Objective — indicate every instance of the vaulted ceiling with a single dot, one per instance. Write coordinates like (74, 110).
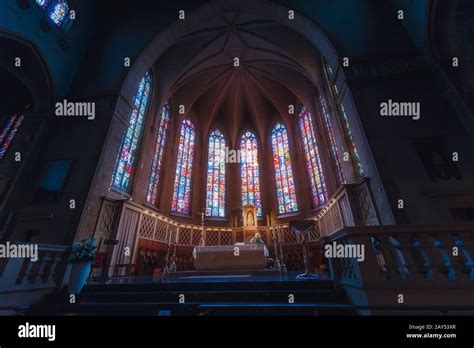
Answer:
(277, 67)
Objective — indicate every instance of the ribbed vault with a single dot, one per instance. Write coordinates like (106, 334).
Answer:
(277, 67)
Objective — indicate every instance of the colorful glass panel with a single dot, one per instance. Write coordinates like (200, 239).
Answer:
(131, 138)
(355, 153)
(215, 188)
(8, 133)
(43, 3)
(285, 186)
(332, 138)
(59, 12)
(249, 172)
(313, 161)
(182, 184)
(162, 132)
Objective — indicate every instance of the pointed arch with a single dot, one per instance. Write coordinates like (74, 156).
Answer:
(155, 172)
(332, 138)
(8, 133)
(184, 169)
(126, 159)
(355, 153)
(215, 187)
(283, 171)
(249, 171)
(314, 168)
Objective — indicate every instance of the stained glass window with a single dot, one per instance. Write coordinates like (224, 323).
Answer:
(332, 138)
(215, 188)
(153, 181)
(43, 3)
(249, 172)
(59, 12)
(131, 138)
(313, 160)
(8, 133)
(355, 153)
(285, 186)
(184, 166)
(329, 71)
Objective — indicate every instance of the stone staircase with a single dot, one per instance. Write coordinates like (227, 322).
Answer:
(202, 298)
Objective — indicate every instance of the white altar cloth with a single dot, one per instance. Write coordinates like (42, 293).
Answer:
(241, 246)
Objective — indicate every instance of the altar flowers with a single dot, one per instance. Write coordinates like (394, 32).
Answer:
(257, 239)
(82, 256)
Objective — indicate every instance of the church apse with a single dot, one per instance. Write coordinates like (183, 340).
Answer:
(271, 147)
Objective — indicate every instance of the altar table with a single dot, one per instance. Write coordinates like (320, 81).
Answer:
(227, 257)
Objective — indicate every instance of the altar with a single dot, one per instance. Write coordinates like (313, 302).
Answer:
(230, 257)
(250, 255)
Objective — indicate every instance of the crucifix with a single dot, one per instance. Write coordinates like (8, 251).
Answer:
(202, 227)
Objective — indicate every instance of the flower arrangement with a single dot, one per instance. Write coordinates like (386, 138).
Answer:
(83, 251)
(257, 239)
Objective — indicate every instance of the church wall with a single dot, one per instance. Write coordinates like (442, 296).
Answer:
(362, 33)
(415, 19)
(101, 74)
(61, 50)
(123, 32)
(104, 71)
(392, 141)
(55, 221)
(130, 31)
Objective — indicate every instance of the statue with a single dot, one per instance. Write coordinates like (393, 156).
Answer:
(250, 220)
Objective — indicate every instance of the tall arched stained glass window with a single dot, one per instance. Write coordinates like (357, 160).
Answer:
(184, 166)
(59, 12)
(162, 132)
(131, 138)
(285, 185)
(332, 138)
(249, 171)
(312, 158)
(355, 154)
(8, 133)
(215, 188)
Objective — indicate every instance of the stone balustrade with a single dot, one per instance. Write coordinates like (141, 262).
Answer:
(405, 264)
(23, 281)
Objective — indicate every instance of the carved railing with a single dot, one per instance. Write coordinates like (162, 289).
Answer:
(352, 205)
(22, 274)
(412, 255)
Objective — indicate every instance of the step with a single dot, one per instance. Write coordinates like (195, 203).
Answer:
(212, 296)
(217, 286)
(243, 308)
